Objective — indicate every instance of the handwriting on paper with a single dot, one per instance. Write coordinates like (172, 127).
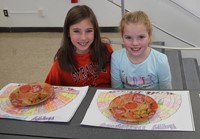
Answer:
(124, 126)
(140, 127)
(42, 118)
(163, 126)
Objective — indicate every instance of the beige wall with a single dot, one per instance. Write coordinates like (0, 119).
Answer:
(182, 25)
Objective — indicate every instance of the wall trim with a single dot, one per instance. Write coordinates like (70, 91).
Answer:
(48, 29)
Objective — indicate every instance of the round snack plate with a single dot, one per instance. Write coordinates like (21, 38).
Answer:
(133, 107)
(31, 94)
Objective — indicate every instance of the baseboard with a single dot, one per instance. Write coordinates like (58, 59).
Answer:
(48, 29)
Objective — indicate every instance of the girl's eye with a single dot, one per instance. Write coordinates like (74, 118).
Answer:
(89, 30)
(128, 37)
(76, 31)
(142, 37)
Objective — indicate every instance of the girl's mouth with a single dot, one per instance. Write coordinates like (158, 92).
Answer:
(135, 49)
(83, 43)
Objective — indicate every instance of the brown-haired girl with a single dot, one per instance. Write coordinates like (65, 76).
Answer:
(83, 59)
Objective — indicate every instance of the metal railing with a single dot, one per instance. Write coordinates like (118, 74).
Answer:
(122, 6)
(186, 9)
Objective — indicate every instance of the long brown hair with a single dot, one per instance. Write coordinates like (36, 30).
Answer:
(98, 50)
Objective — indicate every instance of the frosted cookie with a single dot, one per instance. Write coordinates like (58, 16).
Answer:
(133, 107)
(31, 94)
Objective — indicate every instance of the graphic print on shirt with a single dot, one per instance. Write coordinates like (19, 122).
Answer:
(139, 81)
(86, 74)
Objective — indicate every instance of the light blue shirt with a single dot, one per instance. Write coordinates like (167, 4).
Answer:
(153, 73)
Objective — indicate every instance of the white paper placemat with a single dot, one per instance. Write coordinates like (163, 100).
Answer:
(174, 111)
(59, 109)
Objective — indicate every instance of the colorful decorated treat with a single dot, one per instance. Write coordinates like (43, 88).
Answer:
(133, 107)
(31, 94)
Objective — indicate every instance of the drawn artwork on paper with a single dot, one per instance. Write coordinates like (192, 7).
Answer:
(60, 108)
(168, 104)
(112, 109)
(62, 97)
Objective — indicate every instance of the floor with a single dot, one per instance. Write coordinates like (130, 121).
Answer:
(27, 57)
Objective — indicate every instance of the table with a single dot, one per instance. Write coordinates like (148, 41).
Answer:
(14, 129)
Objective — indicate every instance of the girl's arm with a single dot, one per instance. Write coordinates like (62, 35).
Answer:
(116, 81)
(54, 77)
(164, 74)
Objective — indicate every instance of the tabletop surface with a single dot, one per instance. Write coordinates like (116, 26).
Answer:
(27, 130)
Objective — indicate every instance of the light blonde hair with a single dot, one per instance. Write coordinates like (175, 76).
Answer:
(136, 17)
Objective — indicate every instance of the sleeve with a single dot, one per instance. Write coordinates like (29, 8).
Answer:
(54, 77)
(110, 50)
(116, 81)
(164, 73)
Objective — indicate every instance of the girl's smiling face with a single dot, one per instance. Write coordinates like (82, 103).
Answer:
(136, 41)
(82, 36)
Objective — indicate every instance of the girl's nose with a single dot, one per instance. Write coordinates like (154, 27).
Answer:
(83, 36)
(135, 42)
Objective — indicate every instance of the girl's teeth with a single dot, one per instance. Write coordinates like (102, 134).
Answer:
(135, 49)
(82, 43)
